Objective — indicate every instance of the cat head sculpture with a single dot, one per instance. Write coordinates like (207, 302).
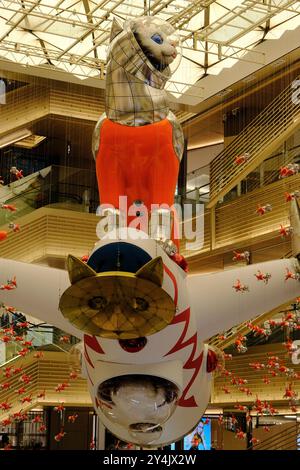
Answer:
(145, 46)
(117, 304)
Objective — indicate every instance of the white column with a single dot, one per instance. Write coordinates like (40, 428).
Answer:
(100, 436)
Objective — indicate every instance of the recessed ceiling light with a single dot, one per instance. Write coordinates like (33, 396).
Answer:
(278, 62)
(249, 79)
(225, 92)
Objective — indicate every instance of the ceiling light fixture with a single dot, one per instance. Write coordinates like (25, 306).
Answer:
(225, 92)
(250, 79)
(278, 63)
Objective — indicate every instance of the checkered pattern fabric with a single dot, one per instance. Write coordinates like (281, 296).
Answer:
(134, 90)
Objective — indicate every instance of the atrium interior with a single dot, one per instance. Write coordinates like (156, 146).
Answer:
(234, 90)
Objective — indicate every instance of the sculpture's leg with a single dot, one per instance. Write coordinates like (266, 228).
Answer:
(110, 177)
(163, 176)
(165, 166)
(295, 224)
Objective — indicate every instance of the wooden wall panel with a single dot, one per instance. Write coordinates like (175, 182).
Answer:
(239, 366)
(24, 106)
(46, 373)
(70, 104)
(238, 221)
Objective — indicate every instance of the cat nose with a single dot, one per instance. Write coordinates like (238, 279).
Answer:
(117, 309)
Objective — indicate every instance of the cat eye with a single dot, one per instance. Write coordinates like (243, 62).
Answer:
(157, 38)
(139, 304)
(97, 303)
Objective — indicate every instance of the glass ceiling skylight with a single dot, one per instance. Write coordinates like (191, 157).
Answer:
(73, 36)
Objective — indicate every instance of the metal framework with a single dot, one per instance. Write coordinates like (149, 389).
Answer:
(73, 35)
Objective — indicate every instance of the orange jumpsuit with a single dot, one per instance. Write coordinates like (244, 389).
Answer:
(137, 162)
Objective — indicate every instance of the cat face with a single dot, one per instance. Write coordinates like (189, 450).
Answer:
(117, 304)
(157, 40)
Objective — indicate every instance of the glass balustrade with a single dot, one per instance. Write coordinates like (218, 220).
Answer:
(41, 336)
(55, 187)
(198, 184)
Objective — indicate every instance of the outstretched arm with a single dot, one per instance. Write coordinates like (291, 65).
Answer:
(96, 135)
(38, 292)
(178, 138)
(218, 307)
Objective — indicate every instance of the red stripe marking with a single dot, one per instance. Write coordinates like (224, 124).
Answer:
(173, 279)
(192, 362)
(89, 376)
(88, 357)
(92, 343)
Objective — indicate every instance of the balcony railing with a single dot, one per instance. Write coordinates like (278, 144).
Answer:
(266, 173)
(287, 439)
(56, 186)
(45, 374)
(43, 337)
(259, 139)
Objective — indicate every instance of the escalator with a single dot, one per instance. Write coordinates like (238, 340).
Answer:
(54, 186)
(24, 194)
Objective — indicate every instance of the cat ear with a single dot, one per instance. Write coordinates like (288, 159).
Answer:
(78, 270)
(152, 271)
(116, 29)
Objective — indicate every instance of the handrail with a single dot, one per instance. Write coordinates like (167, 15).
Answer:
(52, 185)
(200, 194)
(266, 173)
(282, 443)
(262, 136)
(39, 336)
(278, 439)
(275, 436)
(241, 329)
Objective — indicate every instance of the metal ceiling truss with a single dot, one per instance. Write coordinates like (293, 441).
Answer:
(265, 11)
(24, 53)
(74, 35)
